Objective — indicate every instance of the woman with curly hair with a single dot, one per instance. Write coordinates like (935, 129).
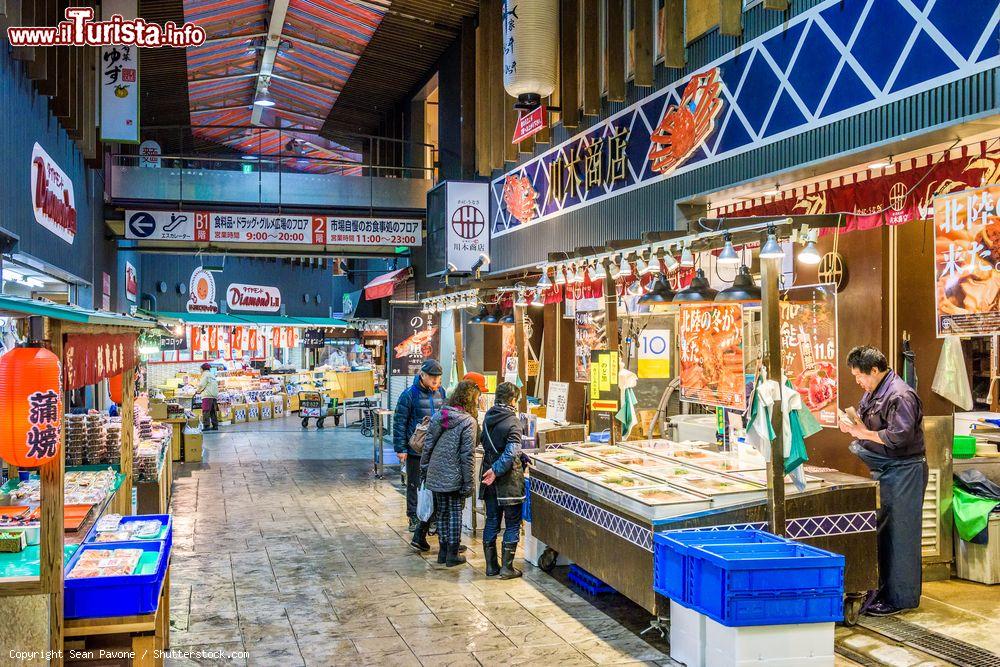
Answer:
(447, 463)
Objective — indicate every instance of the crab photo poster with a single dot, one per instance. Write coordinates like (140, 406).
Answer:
(711, 354)
(591, 334)
(414, 339)
(967, 257)
(809, 347)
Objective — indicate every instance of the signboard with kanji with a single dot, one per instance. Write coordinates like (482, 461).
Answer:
(556, 399)
(604, 381)
(654, 354)
(809, 347)
(967, 262)
(118, 71)
(711, 354)
(591, 334)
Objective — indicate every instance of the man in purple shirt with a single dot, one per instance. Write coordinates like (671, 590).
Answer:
(890, 441)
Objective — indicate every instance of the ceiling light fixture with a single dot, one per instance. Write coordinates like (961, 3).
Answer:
(881, 164)
(810, 254)
(728, 255)
(687, 257)
(698, 290)
(742, 289)
(772, 249)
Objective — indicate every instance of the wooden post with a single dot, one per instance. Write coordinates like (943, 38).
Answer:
(591, 57)
(52, 475)
(522, 354)
(482, 93)
(644, 28)
(611, 322)
(616, 50)
(468, 104)
(497, 99)
(456, 316)
(128, 434)
(770, 275)
(777, 5)
(569, 61)
(673, 47)
(558, 328)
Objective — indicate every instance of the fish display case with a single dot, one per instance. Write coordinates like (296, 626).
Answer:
(599, 505)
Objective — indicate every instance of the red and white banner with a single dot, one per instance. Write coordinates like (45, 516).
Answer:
(52, 196)
(207, 226)
(259, 298)
(88, 359)
(131, 282)
(530, 124)
(891, 199)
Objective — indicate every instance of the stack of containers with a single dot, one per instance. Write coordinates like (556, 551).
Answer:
(95, 451)
(76, 439)
(113, 440)
(90, 594)
(746, 596)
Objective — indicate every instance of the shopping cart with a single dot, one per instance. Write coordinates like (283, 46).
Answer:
(315, 405)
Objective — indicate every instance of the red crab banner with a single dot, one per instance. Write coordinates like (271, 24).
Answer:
(809, 347)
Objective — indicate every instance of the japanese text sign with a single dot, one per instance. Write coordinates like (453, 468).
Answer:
(711, 354)
(809, 347)
(967, 257)
(604, 380)
(88, 359)
(118, 71)
(556, 399)
(654, 354)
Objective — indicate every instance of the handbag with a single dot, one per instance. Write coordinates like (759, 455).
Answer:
(419, 435)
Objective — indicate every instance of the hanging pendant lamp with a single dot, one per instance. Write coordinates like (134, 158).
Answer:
(698, 290)
(742, 289)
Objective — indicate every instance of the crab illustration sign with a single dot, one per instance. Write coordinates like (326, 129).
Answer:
(781, 84)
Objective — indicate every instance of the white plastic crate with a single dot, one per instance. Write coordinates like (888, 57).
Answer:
(800, 645)
(687, 636)
(534, 548)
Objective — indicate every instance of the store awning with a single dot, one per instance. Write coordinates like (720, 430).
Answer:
(202, 318)
(385, 284)
(321, 322)
(271, 320)
(19, 306)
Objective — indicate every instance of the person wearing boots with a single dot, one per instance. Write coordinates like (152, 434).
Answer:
(502, 488)
(446, 465)
(423, 398)
(208, 387)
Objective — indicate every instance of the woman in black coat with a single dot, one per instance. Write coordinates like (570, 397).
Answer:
(502, 489)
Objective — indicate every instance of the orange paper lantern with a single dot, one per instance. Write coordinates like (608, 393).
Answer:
(30, 406)
(115, 388)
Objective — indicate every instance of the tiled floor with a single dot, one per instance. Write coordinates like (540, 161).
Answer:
(285, 548)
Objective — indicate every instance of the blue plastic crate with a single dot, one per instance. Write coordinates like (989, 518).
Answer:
(526, 507)
(130, 595)
(766, 583)
(672, 552)
(588, 582)
(166, 533)
(601, 437)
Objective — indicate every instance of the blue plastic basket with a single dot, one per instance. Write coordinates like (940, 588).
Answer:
(588, 582)
(600, 437)
(766, 583)
(166, 533)
(130, 595)
(672, 555)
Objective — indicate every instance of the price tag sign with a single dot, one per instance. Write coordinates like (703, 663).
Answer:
(532, 368)
(654, 354)
(555, 405)
(604, 381)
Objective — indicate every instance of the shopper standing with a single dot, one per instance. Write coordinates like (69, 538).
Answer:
(423, 398)
(447, 463)
(208, 387)
(502, 489)
(890, 441)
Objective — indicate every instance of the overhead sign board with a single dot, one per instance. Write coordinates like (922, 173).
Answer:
(52, 195)
(258, 298)
(529, 124)
(119, 74)
(468, 232)
(201, 295)
(215, 227)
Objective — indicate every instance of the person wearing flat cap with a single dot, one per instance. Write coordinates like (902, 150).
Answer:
(424, 398)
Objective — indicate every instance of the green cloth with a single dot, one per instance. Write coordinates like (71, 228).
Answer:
(972, 513)
(627, 414)
(797, 452)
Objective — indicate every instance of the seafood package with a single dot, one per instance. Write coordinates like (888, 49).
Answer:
(105, 563)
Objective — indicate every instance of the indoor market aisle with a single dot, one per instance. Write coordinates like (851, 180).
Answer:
(284, 547)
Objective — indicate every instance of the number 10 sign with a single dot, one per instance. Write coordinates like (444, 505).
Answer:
(654, 354)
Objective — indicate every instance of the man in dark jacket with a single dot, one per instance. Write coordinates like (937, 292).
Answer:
(502, 489)
(423, 398)
(890, 441)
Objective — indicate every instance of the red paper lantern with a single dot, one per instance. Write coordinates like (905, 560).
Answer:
(115, 388)
(30, 406)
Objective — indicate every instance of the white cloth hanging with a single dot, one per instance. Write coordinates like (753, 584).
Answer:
(951, 379)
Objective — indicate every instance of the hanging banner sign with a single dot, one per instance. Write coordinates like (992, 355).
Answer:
(468, 236)
(711, 354)
(201, 292)
(779, 85)
(131, 283)
(258, 298)
(414, 338)
(206, 227)
(967, 262)
(88, 359)
(604, 381)
(118, 71)
(149, 154)
(591, 334)
(171, 344)
(314, 338)
(654, 354)
(52, 195)
(809, 347)
(529, 124)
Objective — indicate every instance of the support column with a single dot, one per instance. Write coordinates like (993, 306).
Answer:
(770, 275)
(522, 354)
(52, 475)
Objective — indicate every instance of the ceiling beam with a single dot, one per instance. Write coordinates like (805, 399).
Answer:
(279, 9)
(216, 109)
(235, 38)
(322, 47)
(282, 77)
(222, 77)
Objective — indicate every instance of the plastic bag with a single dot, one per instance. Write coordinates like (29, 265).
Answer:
(951, 379)
(425, 503)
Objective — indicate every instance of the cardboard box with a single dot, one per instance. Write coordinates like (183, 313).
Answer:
(226, 413)
(253, 412)
(266, 410)
(158, 410)
(293, 403)
(239, 413)
(192, 447)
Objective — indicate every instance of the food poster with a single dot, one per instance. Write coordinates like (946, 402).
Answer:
(591, 334)
(711, 354)
(508, 352)
(967, 256)
(414, 338)
(809, 347)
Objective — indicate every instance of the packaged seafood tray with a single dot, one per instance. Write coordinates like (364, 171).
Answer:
(611, 486)
(719, 461)
(663, 447)
(662, 501)
(760, 477)
(722, 489)
(123, 579)
(595, 449)
(578, 472)
(638, 461)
